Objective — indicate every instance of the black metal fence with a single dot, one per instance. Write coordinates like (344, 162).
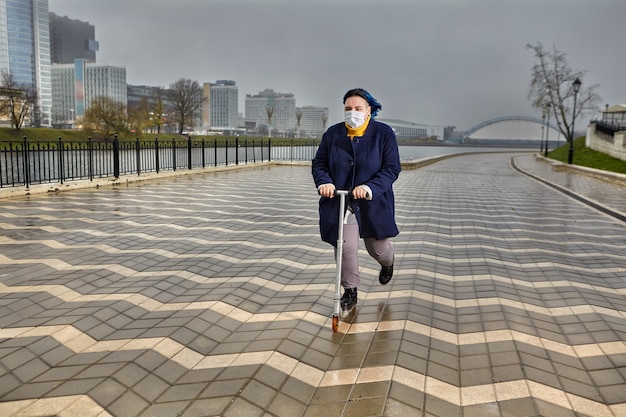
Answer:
(24, 163)
(609, 128)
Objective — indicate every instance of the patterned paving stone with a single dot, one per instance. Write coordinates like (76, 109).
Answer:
(212, 294)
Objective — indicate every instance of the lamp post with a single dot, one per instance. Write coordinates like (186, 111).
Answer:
(570, 155)
(547, 128)
(543, 123)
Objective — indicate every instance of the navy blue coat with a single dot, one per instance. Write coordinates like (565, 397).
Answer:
(372, 160)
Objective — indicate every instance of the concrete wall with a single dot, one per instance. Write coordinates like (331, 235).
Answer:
(614, 145)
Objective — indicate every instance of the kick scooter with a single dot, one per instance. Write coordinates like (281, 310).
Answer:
(337, 308)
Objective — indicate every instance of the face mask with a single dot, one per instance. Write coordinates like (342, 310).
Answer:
(355, 119)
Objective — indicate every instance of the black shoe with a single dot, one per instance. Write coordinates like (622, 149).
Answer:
(386, 272)
(349, 298)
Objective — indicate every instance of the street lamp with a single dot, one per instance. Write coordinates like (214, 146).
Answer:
(570, 155)
(543, 123)
(547, 128)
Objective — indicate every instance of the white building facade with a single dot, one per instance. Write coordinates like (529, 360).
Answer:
(223, 102)
(313, 121)
(75, 85)
(282, 107)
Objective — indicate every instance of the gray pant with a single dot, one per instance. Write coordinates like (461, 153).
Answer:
(381, 250)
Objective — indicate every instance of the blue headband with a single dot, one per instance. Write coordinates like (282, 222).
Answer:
(373, 103)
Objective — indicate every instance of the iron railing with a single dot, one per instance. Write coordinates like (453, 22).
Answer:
(27, 162)
(609, 128)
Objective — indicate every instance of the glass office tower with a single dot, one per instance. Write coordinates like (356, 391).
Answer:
(25, 51)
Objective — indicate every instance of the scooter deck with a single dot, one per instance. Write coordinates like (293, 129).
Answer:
(345, 313)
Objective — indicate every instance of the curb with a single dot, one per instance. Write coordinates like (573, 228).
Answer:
(616, 214)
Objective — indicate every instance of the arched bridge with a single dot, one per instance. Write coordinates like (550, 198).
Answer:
(511, 129)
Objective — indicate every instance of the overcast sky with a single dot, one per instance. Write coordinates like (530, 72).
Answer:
(438, 62)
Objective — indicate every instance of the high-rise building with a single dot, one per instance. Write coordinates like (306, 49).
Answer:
(282, 108)
(223, 102)
(75, 85)
(312, 121)
(25, 51)
(71, 39)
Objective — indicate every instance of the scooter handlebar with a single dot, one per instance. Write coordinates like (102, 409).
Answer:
(346, 192)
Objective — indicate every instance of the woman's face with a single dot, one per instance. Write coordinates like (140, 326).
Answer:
(357, 103)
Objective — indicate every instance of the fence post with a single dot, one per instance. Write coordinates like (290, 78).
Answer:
(90, 145)
(138, 155)
(189, 151)
(60, 149)
(237, 150)
(215, 147)
(269, 149)
(116, 157)
(203, 156)
(156, 154)
(173, 154)
(26, 163)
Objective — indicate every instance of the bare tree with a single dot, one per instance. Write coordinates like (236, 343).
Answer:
(16, 100)
(187, 100)
(158, 111)
(106, 116)
(552, 89)
(269, 110)
(140, 116)
(298, 120)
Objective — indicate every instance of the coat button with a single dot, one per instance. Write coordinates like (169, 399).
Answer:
(351, 163)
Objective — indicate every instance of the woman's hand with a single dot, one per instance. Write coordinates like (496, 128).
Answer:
(326, 190)
(361, 191)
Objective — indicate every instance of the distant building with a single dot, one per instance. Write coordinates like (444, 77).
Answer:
(615, 115)
(313, 121)
(137, 94)
(25, 51)
(281, 106)
(71, 39)
(608, 135)
(410, 130)
(75, 85)
(154, 98)
(221, 105)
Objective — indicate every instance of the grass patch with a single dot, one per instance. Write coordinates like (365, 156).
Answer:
(51, 135)
(589, 158)
(40, 135)
(45, 135)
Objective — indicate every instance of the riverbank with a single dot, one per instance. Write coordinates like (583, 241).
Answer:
(407, 165)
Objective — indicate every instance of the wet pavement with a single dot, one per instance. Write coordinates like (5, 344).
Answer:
(212, 295)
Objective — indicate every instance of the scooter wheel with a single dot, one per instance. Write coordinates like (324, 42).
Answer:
(335, 322)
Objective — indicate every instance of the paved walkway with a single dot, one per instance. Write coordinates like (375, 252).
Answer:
(211, 295)
(582, 183)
